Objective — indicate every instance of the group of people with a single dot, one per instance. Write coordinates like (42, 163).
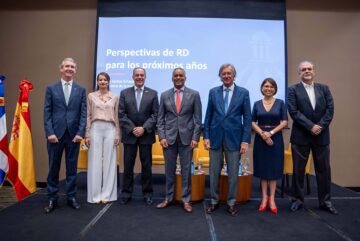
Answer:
(137, 115)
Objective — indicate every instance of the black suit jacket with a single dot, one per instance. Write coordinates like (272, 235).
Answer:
(130, 117)
(304, 117)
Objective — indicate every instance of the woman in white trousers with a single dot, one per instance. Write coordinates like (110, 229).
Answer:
(102, 138)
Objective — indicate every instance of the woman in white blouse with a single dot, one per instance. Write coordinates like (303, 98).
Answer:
(102, 138)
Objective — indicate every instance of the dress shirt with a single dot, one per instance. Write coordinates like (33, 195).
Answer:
(100, 110)
(231, 92)
(142, 90)
(311, 93)
(69, 86)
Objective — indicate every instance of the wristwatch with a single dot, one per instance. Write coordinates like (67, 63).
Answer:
(272, 132)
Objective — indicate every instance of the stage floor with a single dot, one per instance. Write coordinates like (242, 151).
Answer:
(26, 220)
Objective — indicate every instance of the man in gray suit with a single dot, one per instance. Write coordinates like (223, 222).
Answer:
(64, 123)
(179, 127)
(138, 108)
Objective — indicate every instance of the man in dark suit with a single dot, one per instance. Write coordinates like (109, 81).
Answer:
(64, 122)
(227, 131)
(138, 108)
(179, 127)
(311, 107)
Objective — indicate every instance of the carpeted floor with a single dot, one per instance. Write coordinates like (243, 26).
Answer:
(26, 220)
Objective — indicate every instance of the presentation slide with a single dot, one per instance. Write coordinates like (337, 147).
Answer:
(199, 45)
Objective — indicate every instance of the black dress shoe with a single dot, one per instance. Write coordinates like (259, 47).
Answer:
(232, 210)
(148, 200)
(73, 203)
(51, 206)
(296, 206)
(211, 208)
(330, 209)
(125, 200)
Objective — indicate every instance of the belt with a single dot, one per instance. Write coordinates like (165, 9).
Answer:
(267, 126)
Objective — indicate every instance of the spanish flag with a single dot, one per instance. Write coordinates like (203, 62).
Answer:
(21, 160)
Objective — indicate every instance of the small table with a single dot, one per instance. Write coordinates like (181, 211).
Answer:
(197, 187)
(243, 191)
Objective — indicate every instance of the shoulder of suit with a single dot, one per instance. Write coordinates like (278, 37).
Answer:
(128, 89)
(240, 88)
(55, 84)
(78, 85)
(190, 90)
(216, 88)
(321, 85)
(169, 91)
(149, 89)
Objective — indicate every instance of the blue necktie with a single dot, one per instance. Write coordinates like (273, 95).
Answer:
(138, 98)
(226, 99)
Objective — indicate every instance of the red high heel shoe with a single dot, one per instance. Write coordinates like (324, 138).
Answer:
(273, 210)
(263, 208)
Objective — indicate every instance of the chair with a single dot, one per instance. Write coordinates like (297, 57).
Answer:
(157, 153)
(82, 157)
(201, 155)
(288, 170)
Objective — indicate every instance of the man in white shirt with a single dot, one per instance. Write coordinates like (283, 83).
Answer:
(311, 107)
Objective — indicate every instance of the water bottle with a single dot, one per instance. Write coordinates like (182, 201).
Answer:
(240, 168)
(178, 167)
(192, 168)
(225, 169)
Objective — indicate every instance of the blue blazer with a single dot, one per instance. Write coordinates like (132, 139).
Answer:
(232, 128)
(58, 117)
(304, 117)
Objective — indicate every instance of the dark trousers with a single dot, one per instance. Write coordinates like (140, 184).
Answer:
(55, 151)
(130, 151)
(321, 156)
(171, 153)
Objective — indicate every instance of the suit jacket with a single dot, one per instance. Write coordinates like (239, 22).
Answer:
(187, 122)
(130, 117)
(232, 127)
(58, 116)
(304, 117)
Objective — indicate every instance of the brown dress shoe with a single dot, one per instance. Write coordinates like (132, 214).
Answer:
(187, 207)
(163, 204)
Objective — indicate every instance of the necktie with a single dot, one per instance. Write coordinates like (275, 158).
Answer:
(138, 98)
(66, 93)
(178, 101)
(226, 99)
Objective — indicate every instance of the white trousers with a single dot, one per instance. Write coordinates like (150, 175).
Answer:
(101, 176)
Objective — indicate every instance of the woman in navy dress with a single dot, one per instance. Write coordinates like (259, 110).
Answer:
(269, 117)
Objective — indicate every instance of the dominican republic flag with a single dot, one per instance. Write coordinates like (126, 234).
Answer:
(4, 150)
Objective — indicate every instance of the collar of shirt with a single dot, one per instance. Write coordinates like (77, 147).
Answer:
(142, 88)
(181, 90)
(70, 82)
(231, 87)
(308, 85)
